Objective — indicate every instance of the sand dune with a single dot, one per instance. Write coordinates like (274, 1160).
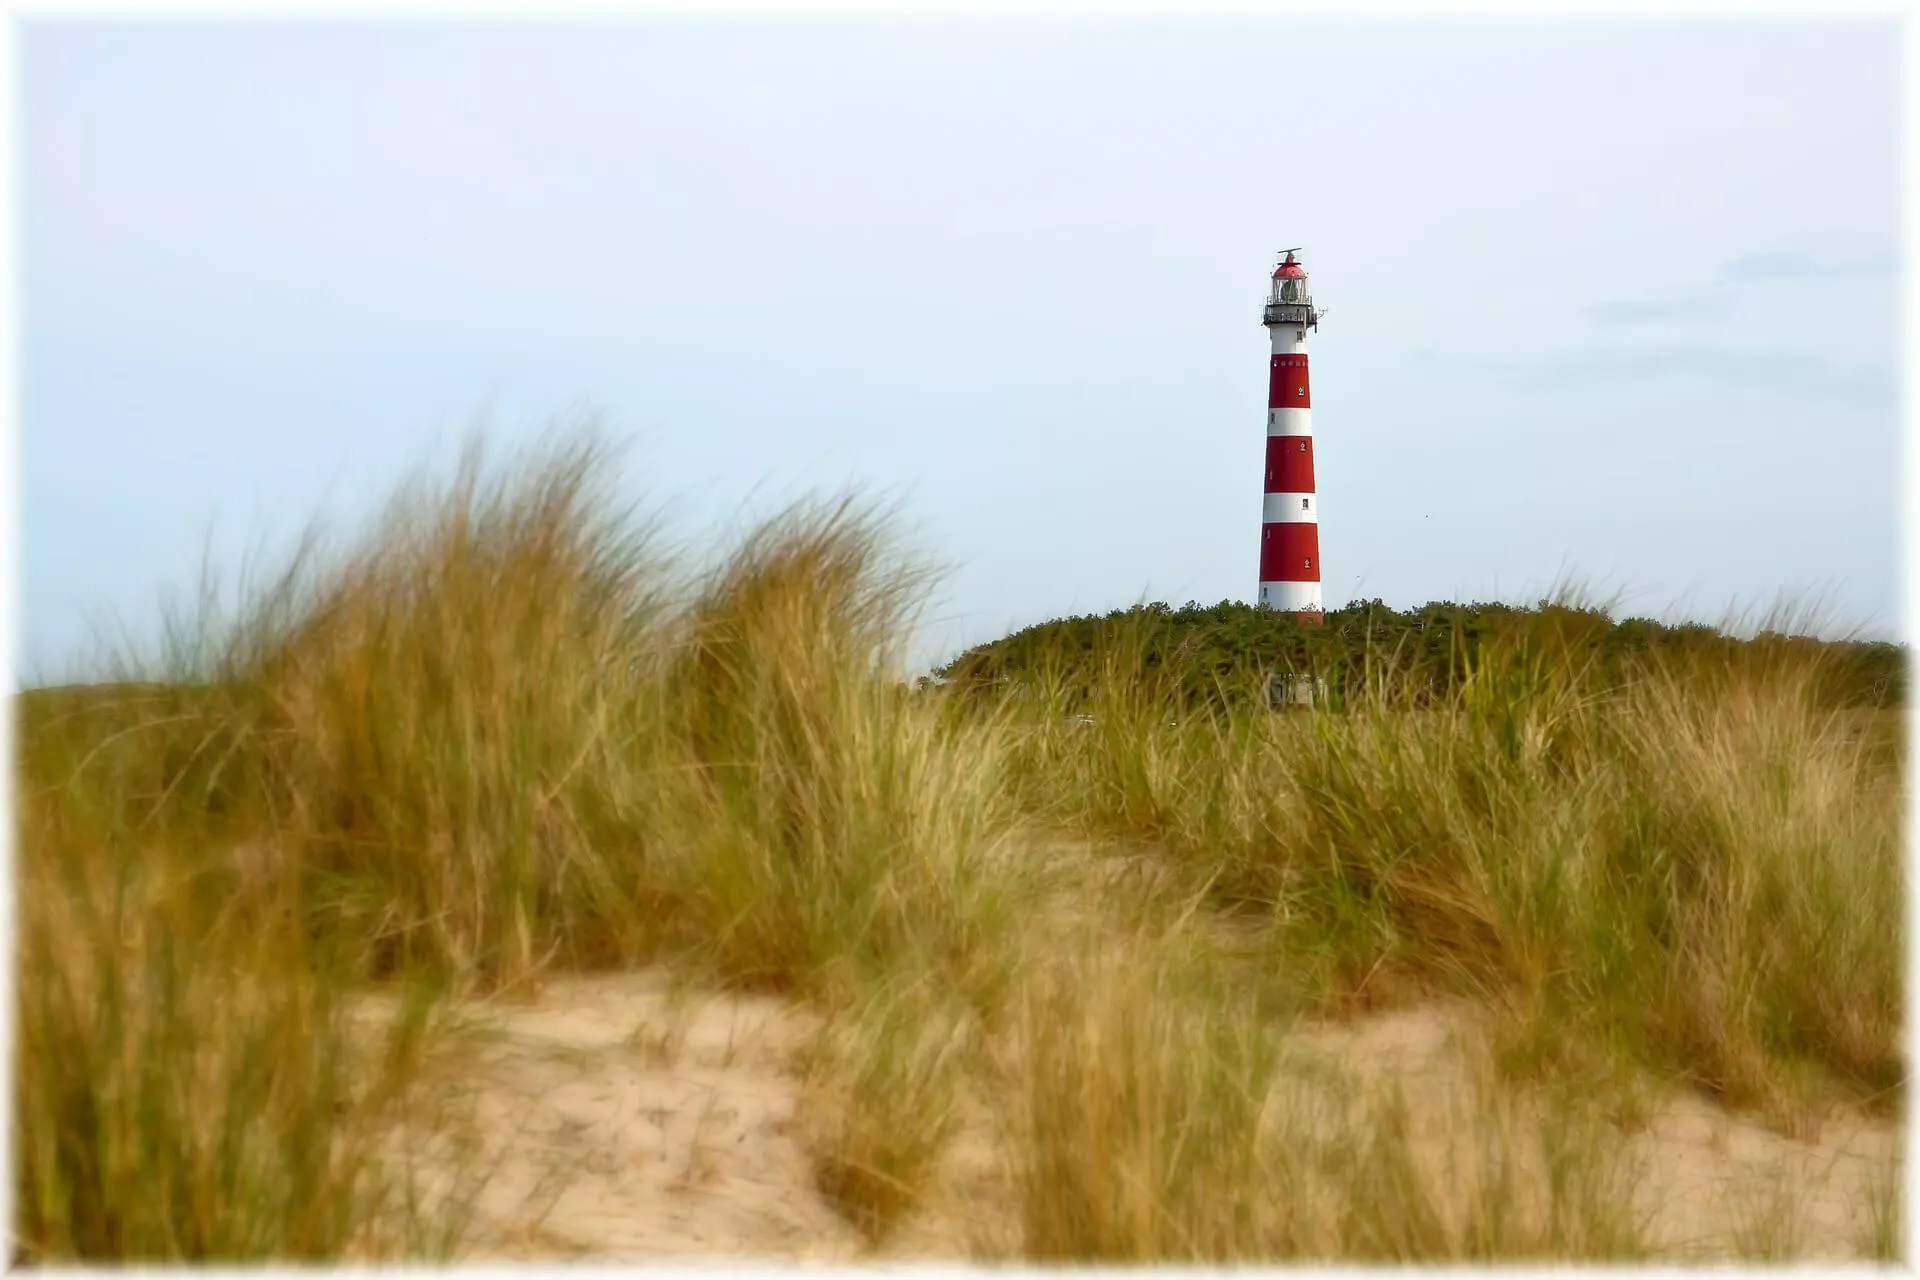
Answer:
(616, 1119)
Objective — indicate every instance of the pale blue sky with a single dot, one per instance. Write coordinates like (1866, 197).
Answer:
(1613, 299)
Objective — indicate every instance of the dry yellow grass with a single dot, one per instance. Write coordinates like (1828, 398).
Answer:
(505, 737)
(1700, 871)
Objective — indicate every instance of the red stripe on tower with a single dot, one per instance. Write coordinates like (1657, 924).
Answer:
(1290, 520)
(1288, 552)
(1289, 464)
(1287, 388)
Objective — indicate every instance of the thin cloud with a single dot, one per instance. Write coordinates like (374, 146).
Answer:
(1794, 374)
(1763, 268)
(1715, 298)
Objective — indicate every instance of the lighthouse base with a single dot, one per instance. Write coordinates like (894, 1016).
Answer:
(1292, 597)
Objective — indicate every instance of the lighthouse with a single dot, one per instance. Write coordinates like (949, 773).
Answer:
(1290, 519)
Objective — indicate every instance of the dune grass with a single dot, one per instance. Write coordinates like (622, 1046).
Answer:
(1700, 870)
(1166, 1116)
(499, 734)
(885, 1082)
(187, 1086)
(510, 731)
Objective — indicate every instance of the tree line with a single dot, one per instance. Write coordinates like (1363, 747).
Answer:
(1230, 652)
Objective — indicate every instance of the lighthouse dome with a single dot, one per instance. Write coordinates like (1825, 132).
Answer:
(1290, 287)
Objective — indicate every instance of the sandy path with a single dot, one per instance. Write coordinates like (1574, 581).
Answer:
(619, 1122)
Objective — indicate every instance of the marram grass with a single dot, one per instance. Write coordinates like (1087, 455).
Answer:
(509, 731)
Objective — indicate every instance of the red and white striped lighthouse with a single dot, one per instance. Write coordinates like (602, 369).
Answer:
(1290, 522)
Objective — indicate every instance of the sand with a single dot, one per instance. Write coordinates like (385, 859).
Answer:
(619, 1121)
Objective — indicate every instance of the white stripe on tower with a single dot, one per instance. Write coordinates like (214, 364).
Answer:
(1290, 518)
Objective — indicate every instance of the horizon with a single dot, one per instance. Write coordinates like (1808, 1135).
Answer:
(1602, 301)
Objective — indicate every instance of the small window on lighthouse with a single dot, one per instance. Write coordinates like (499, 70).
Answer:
(1307, 563)
(1303, 446)
(1305, 502)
